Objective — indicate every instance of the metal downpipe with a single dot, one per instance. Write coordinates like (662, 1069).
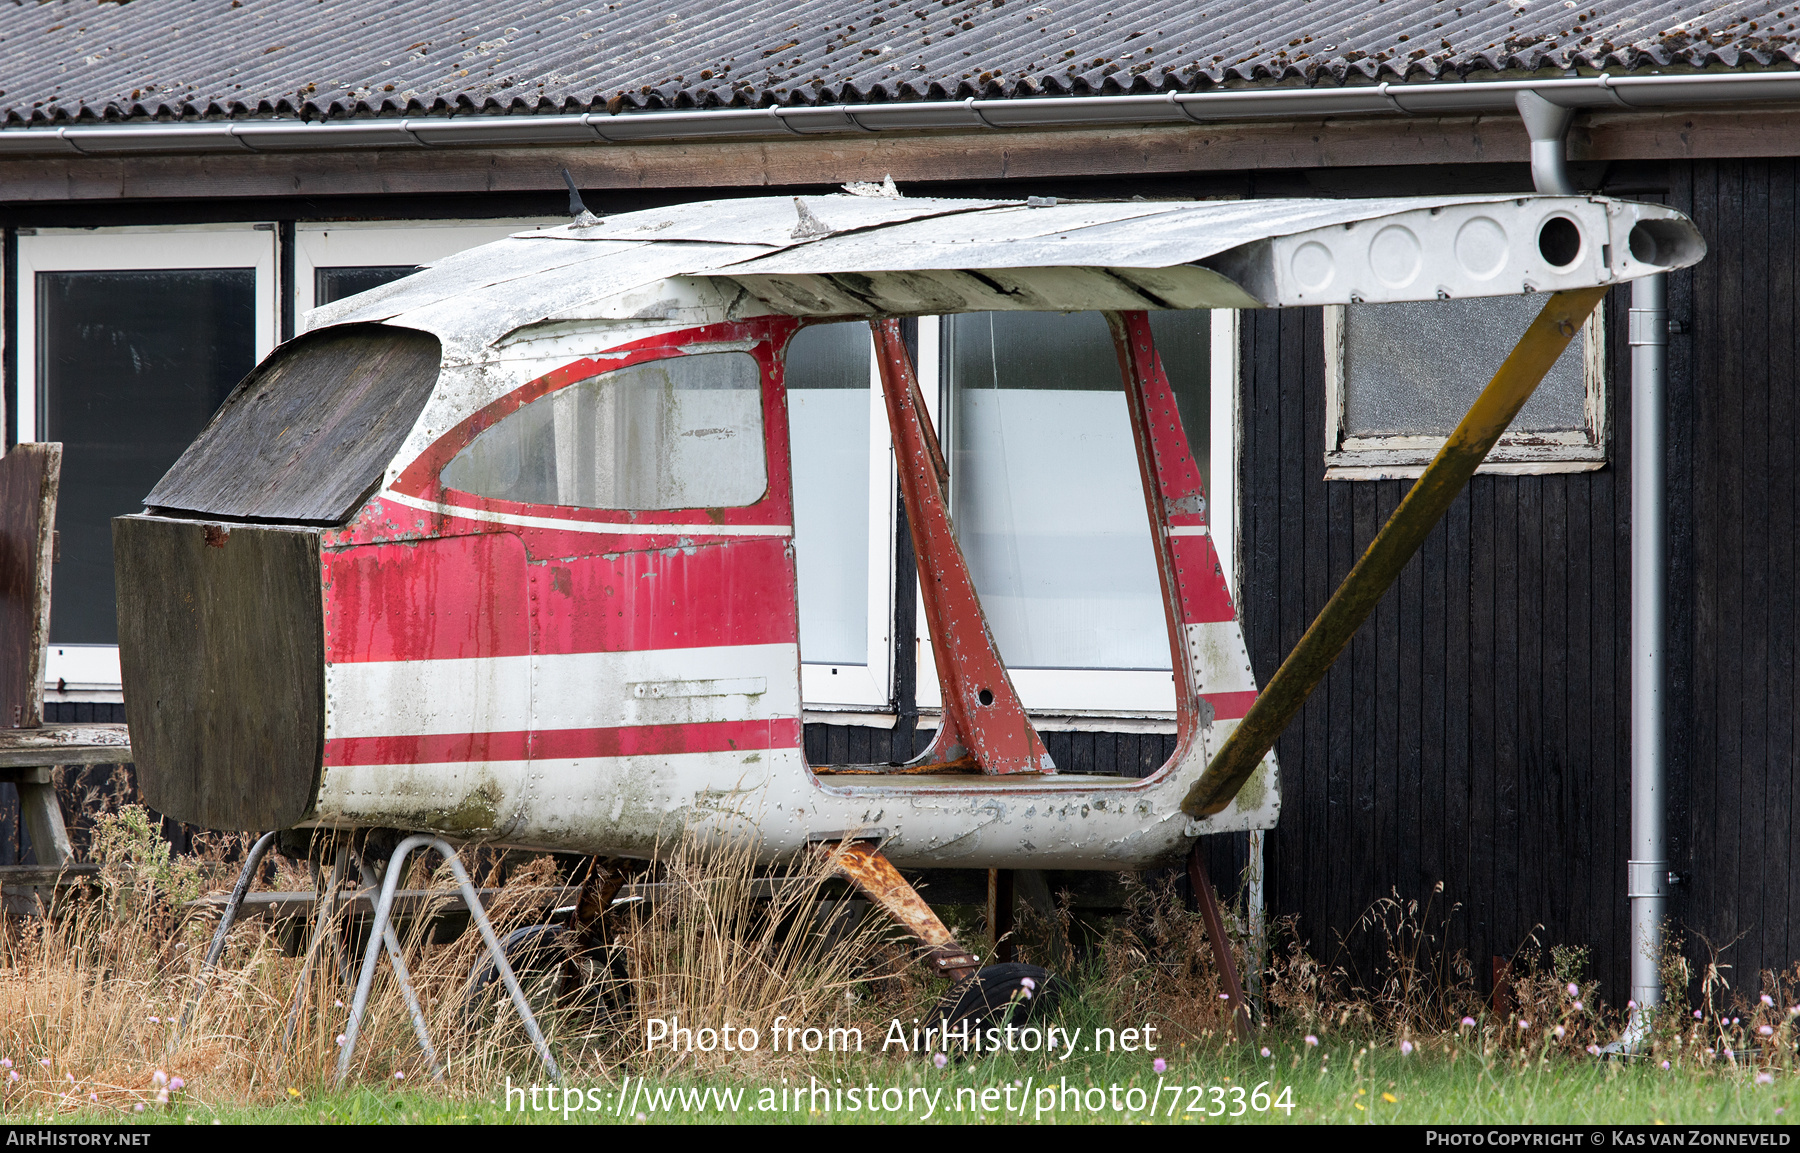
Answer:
(1647, 876)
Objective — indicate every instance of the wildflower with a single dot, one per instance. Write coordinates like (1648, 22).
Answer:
(399, 1076)
(69, 1077)
(1577, 1006)
(13, 1076)
(339, 1004)
(641, 1117)
(94, 1097)
(44, 1061)
(1765, 1078)
(162, 1096)
(1631, 1005)
(1160, 1065)
(293, 1092)
(138, 1108)
(940, 1060)
(1524, 1024)
(5, 1062)
(1468, 1022)
(1593, 1050)
(1768, 1000)
(154, 1020)
(1765, 1031)
(1311, 1040)
(1574, 989)
(176, 1084)
(1665, 1065)
(1697, 1015)
(1224, 996)
(159, 1078)
(1734, 1020)
(1265, 1051)
(1559, 1032)
(1028, 982)
(1406, 1048)
(1729, 1055)
(340, 1040)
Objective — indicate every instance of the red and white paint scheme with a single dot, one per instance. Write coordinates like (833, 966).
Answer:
(533, 642)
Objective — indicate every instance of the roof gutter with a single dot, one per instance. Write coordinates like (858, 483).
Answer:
(1461, 98)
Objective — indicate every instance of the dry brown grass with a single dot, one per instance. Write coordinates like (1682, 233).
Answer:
(89, 997)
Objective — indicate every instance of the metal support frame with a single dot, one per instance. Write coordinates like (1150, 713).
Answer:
(1221, 943)
(1424, 505)
(323, 915)
(226, 919)
(984, 720)
(861, 862)
(380, 930)
(398, 961)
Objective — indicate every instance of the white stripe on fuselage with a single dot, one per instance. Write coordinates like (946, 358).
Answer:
(562, 691)
(611, 528)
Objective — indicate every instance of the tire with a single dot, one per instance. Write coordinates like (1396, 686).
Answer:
(536, 951)
(997, 996)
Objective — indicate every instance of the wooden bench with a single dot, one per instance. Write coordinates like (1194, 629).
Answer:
(29, 749)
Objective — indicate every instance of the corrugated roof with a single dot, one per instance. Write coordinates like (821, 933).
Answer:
(66, 60)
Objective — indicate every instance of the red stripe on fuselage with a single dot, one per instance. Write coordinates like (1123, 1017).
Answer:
(565, 744)
(1230, 706)
(475, 596)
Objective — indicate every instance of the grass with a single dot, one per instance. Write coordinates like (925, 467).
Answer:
(1343, 1083)
(88, 1002)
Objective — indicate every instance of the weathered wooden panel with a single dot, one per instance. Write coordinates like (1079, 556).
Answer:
(29, 476)
(221, 644)
(307, 435)
(1473, 733)
(1477, 732)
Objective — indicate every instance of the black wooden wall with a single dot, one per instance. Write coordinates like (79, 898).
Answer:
(1476, 733)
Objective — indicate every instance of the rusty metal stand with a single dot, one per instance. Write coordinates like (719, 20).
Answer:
(1221, 944)
(861, 862)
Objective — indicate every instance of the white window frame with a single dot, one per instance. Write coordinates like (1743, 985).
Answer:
(1405, 457)
(91, 672)
(388, 243)
(862, 694)
(1109, 699)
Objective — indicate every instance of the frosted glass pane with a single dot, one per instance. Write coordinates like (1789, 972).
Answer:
(828, 428)
(685, 432)
(1414, 369)
(1046, 496)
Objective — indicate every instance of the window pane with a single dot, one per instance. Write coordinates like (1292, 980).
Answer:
(1045, 490)
(132, 365)
(1413, 369)
(828, 428)
(333, 284)
(685, 432)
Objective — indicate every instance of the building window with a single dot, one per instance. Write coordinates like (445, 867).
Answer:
(332, 261)
(128, 341)
(1399, 377)
(1048, 504)
(844, 519)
